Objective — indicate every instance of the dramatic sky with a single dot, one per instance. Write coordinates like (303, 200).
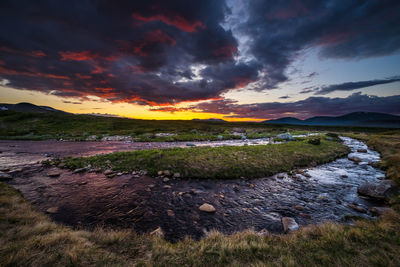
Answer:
(233, 59)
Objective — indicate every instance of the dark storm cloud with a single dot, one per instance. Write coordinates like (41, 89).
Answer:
(348, 29)
(349, 86)
(302, 109)
(123, 51)
(164, 52)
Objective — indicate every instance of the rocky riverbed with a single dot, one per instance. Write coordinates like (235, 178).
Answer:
(179, 207)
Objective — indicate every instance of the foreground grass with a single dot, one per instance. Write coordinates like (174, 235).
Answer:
(218, 162)
(29, 238)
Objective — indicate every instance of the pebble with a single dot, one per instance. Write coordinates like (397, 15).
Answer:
(170, 213)
(207, 208)
(166, 180)
(53, 174)
(52, 210)
(80, 170)
(158, 232)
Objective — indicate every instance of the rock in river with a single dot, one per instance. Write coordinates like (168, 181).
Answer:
(285, 136)
(53, 173)
(382, 190)
(207, 208)
(79, 170)
(52, 210)
(355, 159)
(289, 224)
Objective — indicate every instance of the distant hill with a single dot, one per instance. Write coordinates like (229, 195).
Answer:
(364, 119)
(212, 120)
(28, 107)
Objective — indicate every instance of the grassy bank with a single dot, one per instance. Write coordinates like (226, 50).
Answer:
(218, 162)
(29, 238)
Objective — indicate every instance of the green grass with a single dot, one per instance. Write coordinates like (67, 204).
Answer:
(218, 162)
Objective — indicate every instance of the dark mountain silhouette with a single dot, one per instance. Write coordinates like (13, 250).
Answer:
(366, 119)
(28, 107)
(211, 120)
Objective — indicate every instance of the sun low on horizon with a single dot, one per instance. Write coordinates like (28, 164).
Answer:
(234, 60)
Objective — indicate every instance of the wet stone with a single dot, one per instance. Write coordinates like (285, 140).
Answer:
(53, 174)
(357, 208)
(207, 208)
(289, 224)
(79, 170)
(52, 210)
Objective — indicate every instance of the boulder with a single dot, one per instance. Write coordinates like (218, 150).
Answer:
(354, 158)
(177, 175)
(362, 150)
(289, 224)
(285, 136)
(108, 172)
(207, 208)
(91, 138)
(382, 190)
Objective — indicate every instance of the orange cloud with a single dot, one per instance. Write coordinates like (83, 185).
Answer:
(173, 20)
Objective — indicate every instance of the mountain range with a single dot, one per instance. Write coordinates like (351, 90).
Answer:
(28, 107)
(364, 119)
(359, 119)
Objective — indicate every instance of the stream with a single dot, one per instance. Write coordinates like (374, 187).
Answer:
(141, 203)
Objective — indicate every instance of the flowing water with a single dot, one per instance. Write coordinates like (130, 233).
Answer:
(311, 196)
